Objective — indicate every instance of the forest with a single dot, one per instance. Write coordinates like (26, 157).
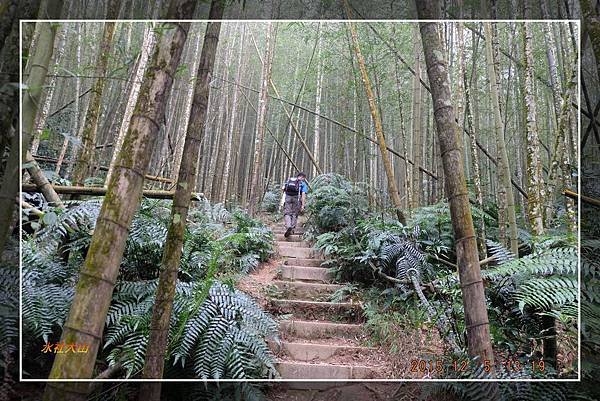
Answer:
(440, 237)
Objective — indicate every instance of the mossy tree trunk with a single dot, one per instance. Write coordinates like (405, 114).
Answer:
(84, 162)
(387, 164)
(98, 275)
(476, 317)
(9, 112)
(560, 163)
(535, 181)
(165, 293)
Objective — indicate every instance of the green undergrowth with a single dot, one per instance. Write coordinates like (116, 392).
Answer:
(367, 250)
(216, 330)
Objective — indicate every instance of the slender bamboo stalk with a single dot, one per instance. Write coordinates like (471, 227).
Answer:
(391, 180)
(165, 292)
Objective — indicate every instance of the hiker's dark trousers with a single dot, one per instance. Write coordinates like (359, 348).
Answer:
(291, 209)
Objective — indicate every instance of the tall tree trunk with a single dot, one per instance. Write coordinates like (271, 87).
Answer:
(84, 161)
(317, 131)
(551, 57)
(591, 23)
(535, 181)
(224, 118)
(476, 317)
(233, 129)
(506, 199)
(216, 109)
(562, 107)
(472, 129)
(391, 180)
(238, 145)
(165, 293)
(39, 60)
(148, 43)
(256, 184)
(98, 275)
(416, 125)
(75, 131)
(43, 115)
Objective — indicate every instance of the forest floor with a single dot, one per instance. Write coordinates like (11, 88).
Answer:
(321, 338)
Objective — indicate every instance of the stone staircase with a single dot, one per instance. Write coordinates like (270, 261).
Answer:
(319, 338)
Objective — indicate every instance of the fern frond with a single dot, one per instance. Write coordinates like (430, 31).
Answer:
(547, 292)
(500, 253)
(550, 261)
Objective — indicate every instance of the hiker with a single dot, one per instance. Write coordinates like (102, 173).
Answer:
(295, 190)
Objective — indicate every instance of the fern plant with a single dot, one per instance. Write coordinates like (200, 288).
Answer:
(404, 255)
(235, 327)
(9, 316)
(523, 291)
(47, 291)
(545, 280)
(219, 336)
(335, 203)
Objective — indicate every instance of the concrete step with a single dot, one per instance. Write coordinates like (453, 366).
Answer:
(281, 230)
(300, 289)
(304, 370)
(293, 252)
(319, 330)
(310, 262)
(313, 310)
(305, 273)
(291, 238)
(317, 352)
(294, 244)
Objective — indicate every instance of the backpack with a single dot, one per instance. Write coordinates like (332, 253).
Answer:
(292, 187)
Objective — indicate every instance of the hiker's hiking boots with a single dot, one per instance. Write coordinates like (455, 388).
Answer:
(288, 232)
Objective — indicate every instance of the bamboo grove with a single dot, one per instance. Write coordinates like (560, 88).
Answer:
(324, 97)
(153, 155)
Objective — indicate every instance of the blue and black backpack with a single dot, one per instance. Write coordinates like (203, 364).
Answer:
(292, 186)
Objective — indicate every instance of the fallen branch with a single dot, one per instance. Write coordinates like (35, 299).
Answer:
(40, 180)
(101, 191)
(585, 199)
